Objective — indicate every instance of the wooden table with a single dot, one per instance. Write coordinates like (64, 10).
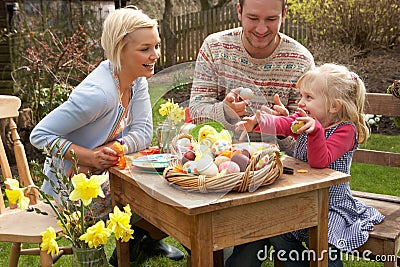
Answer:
(207, 223)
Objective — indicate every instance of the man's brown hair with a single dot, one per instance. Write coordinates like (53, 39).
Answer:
(284, 3)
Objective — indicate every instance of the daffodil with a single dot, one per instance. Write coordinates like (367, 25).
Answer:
(49, 242)
(73, 213)
(168, 107)
(177, 115)
(86, 189)
(173, 111)
(70, 220)
(15, 194)
(96, 235)
(119, 223)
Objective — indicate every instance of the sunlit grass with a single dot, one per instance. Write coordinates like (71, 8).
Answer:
(373, 178)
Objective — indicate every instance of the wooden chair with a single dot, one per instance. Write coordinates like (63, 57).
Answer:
(19, 226)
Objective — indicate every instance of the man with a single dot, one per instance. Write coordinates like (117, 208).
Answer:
(255, 56)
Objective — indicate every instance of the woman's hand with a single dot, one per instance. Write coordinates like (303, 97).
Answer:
(105, 157)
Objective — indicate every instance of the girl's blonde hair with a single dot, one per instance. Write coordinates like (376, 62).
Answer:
(117, 26)
(336, 82)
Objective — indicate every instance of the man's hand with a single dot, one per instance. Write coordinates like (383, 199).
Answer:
(234, 105)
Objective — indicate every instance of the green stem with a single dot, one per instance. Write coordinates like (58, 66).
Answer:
(60, 218)
(83, 217)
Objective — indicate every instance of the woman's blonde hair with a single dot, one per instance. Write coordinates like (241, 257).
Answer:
(336, 82)
(117, 26)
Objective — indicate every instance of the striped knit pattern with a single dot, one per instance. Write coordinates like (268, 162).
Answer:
(59, 146)
(223, 64)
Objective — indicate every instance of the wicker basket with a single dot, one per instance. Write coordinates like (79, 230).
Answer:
(249, 180)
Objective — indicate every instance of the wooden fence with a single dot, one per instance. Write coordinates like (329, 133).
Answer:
(191, 29)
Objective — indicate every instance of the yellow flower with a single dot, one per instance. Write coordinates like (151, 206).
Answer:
(96, 235)
(71, 219)
(119, 223)
(168, 107)
(178, 115)
(172, 110)
(86, 189)
(49, 242)
(15, 194)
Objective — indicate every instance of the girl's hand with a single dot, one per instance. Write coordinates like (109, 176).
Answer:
(309, 125)
(278, 109)
(247, 124)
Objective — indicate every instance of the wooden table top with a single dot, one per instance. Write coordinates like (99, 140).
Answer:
(196, 203)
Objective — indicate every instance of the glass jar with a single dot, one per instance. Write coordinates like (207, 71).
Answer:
(165, 132)
(85, 257)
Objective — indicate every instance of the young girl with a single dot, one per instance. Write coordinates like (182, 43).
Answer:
(331, 108)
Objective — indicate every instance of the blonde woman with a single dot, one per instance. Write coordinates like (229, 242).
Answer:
(111, 104)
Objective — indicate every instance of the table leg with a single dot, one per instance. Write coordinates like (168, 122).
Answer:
(123, 253)
(219, 258)
(122, 247)
(201, 241)
(319, 233)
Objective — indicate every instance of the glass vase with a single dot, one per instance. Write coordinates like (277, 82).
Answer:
(165, 132)
(85, 257)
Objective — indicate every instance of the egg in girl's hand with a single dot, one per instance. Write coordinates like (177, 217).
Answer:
(229, 167)
(296, 125)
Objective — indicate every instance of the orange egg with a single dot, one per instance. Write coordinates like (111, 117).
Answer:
(226, 153)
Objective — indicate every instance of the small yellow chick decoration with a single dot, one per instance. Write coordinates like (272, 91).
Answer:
(209, 133)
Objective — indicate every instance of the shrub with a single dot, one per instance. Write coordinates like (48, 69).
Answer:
(53, 51)
(361, 23)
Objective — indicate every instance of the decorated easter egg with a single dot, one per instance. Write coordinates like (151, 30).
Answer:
(210, 170)
(190, 155)
(246, 93)
(190, 167)
(204, 162)
(241, 160)
(226, 153)
(262, 162)
(229, 167)
(219, 146)
(221, 158)
(296, 125)
(241, 151)
(184, 142)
